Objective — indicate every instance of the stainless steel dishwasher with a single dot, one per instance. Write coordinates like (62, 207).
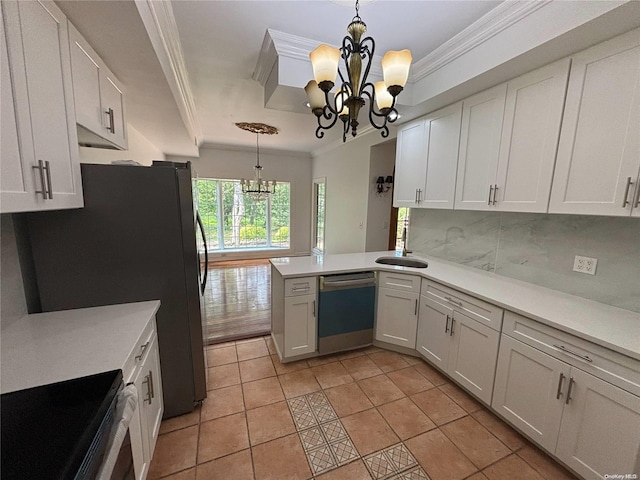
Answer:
(346, 310)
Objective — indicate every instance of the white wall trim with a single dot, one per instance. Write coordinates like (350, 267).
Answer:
(495, 21)
(161, 27)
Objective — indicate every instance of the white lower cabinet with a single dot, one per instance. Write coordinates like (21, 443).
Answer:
(589, 424)
(460, 346)
(143, 370)
(397, 317)
(528, 390)
(300, 325)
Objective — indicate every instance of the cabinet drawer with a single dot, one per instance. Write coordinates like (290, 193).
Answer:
(601, 362)
(300, 286)
(139, 352)
(479, 310)
(399, 281)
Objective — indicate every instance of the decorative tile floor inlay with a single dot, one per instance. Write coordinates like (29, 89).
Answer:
(395, 459)
(324, 438)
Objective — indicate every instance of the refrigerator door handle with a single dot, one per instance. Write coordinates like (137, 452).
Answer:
(206, 253)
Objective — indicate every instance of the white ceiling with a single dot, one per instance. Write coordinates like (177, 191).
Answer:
(221, 41)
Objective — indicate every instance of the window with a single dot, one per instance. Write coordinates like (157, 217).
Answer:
(319, 189)
(233, 221)
(403, 222)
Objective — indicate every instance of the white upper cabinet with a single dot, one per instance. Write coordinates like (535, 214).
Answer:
(532, 118)
(599, 149)
(99, 100)
(482, 116)
(411, 163)
(42, 158)
(508, 144)
(427, 159)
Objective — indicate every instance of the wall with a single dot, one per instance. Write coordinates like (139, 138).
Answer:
(538, 248)
(382, 163)
(12, 298)
(283, 166)
(347, 171)
(140, 149)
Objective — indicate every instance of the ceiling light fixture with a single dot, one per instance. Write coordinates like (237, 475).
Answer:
(350, 97)
(258, 189)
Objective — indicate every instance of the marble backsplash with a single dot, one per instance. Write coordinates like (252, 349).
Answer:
(538, 248)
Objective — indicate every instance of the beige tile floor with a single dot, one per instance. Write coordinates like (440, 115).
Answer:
(367, 414)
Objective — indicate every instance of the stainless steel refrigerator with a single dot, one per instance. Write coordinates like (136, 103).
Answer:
(134, 240)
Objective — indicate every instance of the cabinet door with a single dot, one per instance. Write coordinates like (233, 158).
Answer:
(434, 339)
(397, 317)
(411, 164)
(636, 198)
(443, 129)
(139, 429)
(600, 428)
(153, 406)
(533, 113)
(38, 44)
(300, 326)
(482, 117)
(599, 149)
(16, 186)
(86, 83)
(473, 355)
(529, 390)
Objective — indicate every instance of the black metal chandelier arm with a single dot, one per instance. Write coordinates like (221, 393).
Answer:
(345, 131)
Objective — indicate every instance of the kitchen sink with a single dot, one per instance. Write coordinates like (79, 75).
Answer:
(402, 262)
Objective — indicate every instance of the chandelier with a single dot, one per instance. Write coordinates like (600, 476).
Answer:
(350, 96)
(258, 189)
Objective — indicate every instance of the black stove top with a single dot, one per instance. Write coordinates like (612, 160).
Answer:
(48, 430)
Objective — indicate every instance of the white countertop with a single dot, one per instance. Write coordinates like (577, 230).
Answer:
(56, 346)
(608, 326)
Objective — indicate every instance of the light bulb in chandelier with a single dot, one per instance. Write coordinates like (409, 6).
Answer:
(353, 91)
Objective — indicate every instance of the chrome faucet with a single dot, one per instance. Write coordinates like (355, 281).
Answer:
(404, 243)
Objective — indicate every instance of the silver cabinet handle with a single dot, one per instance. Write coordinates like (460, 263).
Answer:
(112, 123)
(625, 200)
(299, 289)
(148, 397)
(571, 384)
(153, 390)
(415, 310)
(314, 308)
(47, 168)
(560, 382)
(43, 182)
(446, 325)
(566, 350)
(490, 193)
(419, 195)
(143, 348)
(453, 322)
(495, 192)
(416, 197)
(453, 301)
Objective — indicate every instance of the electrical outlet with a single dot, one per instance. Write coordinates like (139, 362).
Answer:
(585, 265)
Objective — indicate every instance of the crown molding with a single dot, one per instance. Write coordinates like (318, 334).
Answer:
(252, 150)
(161, 27)
(495, 21)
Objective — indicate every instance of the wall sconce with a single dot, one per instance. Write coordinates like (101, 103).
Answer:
(383, 185)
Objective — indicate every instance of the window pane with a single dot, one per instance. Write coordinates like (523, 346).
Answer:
(280, 216)
(207, 191)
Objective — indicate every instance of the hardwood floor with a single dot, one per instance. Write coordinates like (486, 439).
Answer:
(237, 300)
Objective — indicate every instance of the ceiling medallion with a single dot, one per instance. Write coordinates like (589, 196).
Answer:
(260, 128)
(258, 189)
(352, 92)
